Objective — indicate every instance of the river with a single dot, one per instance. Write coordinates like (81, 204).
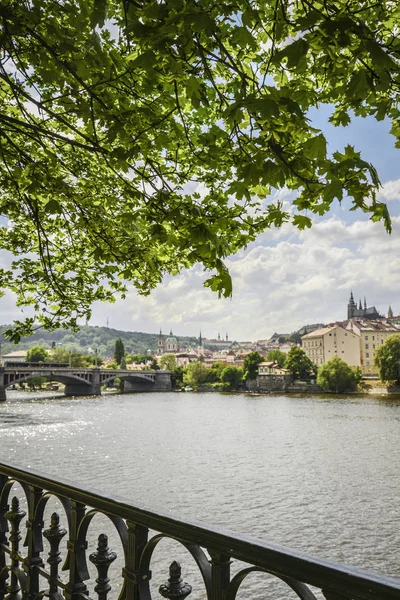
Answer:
(319, 473)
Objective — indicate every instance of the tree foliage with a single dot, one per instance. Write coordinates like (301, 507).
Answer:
(196, 374)
(250, 365)
(139, 138)
(387, 359)
(298, 363)
(232, 377)
(337, 376)
(37, 354)
(167, 362)
(277, 356)
(119, 351)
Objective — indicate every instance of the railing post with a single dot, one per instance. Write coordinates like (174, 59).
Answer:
(75, 588)
(54, 535)
(15, 516)
(3, 539)
(220, 574)
(33, 561)
(175, 588)
(137, 539)
(102, 560)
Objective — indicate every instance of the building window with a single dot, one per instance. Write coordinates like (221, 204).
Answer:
(367, 355)
(366, 346)
(373, 337)
(366, 337)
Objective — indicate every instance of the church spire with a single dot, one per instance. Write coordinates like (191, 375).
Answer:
(200, 340)
(360, 305)
(390, 312)
(365, 303)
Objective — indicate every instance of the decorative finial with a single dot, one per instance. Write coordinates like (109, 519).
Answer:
(175, 588)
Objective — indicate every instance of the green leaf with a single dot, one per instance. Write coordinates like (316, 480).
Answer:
(99, 13)
(300, 221)
(315, 147)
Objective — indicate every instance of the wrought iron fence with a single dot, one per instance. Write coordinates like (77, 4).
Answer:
(25, 575)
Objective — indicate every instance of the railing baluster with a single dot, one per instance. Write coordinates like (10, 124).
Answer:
(54, 535)
(3, 539)
(33, 561)
(137, 539)
(75, 587)
(175, 588)
(220, 574)
(102, 560)
(15, 516)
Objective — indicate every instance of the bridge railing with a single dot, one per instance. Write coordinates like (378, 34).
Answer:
(217, 553)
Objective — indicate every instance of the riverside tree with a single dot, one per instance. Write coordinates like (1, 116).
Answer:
(139, 138)
(298, 363)
(232, 377)
(250, 365)
(337, 376)
(387, 359)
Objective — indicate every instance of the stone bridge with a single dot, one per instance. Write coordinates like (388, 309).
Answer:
(85, 382)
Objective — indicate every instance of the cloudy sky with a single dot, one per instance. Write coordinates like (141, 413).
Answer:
(287, 278)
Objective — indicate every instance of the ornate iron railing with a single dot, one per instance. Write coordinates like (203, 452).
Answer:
(23, 573)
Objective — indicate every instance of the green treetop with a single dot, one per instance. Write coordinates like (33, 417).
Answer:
(119, 352)
(299, 364)
(277, 356)
(250, 365)
(36, 354)
(387, 359)
(167, 362)
(337, 376)
(139, 138)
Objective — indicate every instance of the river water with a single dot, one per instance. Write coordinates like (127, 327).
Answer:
(319, 474)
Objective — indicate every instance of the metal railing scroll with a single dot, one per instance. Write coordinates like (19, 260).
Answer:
(28, 572)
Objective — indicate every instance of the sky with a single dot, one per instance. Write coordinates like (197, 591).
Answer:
(287, 278)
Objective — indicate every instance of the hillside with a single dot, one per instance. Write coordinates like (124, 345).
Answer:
(89, 338)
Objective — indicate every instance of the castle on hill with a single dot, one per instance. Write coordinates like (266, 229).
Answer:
(361, 312)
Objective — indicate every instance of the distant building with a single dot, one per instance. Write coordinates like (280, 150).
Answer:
(361, 312)
(372, 335)
(17, 356)
(322, 344)
(271, 368)
(218, 342)
(167, 345)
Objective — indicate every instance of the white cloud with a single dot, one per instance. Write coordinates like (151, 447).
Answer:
(390, 191)
(304, 279)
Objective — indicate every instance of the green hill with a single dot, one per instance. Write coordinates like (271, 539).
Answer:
(89, 338)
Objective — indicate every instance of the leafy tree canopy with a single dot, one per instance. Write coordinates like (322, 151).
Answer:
(232, 377)
(387, 359)
(337, 376)
(278, 356)
(139, 138)
(119, 351)
(196, 374)
(167, 362)
(250, 365)
(298, 363)
(37, 354)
